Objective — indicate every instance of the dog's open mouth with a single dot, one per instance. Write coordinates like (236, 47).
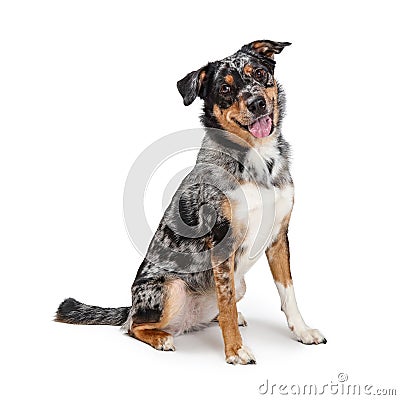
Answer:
(259, 128)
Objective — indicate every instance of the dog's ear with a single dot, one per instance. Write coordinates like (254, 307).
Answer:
(192, 85)
(265, 48)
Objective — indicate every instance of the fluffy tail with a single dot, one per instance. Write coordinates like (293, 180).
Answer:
(71, 311)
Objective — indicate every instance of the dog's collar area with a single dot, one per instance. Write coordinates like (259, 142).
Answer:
(226, 142)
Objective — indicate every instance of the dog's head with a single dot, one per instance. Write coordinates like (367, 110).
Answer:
(240, 92)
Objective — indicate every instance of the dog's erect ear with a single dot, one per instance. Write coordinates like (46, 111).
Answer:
(265, 48)
(191, 85)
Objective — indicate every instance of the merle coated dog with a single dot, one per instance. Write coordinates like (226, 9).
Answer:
(234, 206)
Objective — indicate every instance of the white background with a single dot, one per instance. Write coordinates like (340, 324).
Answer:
(87, 85)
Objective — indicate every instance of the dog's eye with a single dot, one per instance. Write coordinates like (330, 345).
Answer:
(259, 74)
(224, 89)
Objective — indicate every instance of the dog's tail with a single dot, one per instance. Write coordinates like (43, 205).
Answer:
(71, 311)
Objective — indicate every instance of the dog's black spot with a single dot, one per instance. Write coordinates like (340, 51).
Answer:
(175, 239)
(220, 230)
(270, 165)
(146, 315)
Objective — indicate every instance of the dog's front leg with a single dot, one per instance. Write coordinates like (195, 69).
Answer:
(235, 351)
(279, 262)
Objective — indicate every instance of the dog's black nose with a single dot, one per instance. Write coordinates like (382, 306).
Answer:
(257, 105)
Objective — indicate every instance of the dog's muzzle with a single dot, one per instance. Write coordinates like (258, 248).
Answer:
(262, 119)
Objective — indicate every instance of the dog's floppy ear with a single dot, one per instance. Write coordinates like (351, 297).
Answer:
(191, 85)
(265, 48)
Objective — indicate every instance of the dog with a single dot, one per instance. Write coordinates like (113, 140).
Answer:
(234, 206)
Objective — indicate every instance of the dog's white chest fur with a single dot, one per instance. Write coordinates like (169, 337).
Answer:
(257, 216)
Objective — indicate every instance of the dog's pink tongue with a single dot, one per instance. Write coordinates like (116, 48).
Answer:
(261, 127)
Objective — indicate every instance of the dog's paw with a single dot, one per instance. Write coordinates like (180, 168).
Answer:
(242, 356)
(310, 336)
(241, 320)
(165, 344)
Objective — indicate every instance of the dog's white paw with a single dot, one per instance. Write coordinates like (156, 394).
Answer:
(309, 336)
(241, 320)
(166, 344)
(243, 356)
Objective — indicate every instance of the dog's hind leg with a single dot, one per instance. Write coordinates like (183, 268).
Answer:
(279, 262)
(156, 338)
(155, 304)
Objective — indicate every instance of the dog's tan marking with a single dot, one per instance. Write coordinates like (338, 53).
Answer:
(258, 45)
(156, 338)
(152, 333)
(228, 316)
(226, 209)
(262, 47)
(229, 79)
(200, 81)
(271, 94)
(248, 69)
(202, 76)
(279, 257)
(226, 119)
